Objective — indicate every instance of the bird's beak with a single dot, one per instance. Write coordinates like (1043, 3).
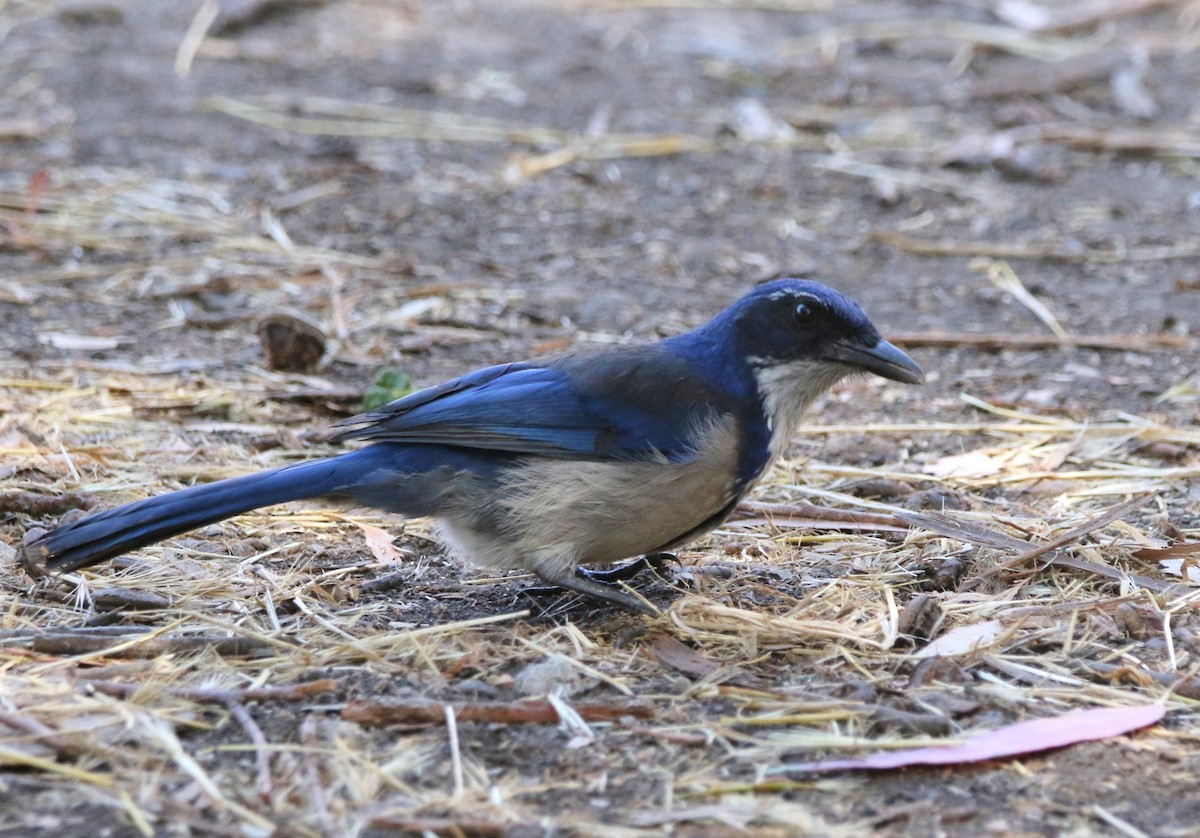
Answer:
(882, 359)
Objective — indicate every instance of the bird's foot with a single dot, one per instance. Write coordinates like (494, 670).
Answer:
(602, 584)
(625, 572)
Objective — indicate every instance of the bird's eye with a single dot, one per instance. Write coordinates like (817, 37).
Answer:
(804, 313)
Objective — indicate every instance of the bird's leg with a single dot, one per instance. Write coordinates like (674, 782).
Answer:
(584, 584)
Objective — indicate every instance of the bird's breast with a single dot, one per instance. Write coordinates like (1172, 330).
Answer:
(604, 511)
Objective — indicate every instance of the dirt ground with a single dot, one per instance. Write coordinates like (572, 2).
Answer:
(444, 185)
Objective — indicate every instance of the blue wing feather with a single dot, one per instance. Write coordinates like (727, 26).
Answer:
(575, 407)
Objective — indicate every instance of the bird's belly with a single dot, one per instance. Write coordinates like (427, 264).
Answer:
(604, 512)
(569, 512)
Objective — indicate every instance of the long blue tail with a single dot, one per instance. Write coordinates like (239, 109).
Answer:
(376, 475)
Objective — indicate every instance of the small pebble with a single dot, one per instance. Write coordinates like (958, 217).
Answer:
(541, 677)
(292, 342)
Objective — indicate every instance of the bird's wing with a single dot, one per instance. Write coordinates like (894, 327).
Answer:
(607, 406)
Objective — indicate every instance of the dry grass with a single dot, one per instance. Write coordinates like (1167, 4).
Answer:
(214, 688)
(226, 680)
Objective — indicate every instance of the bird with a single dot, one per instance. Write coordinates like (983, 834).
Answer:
(548, 465)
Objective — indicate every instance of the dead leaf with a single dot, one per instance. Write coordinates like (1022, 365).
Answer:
(381, 544)
(671, 652)
(962, 640)
(977, 463)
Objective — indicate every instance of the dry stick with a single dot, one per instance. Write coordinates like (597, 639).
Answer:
(1187, 686)
(820, 513)
(430, 713)
(262, 757)
(128, 599)
(333, 117)
(1147, 582)
(387, 582)
(39, 505)
(211, 695)
(340, 396)
(1117, 512)
(965, 531)
(81, 631)
(676, 737)
(76, 644)
(312, 775)
(1017, 250)
(62, 743)
(1119, 343)
(996, 37)
(1131, 141)
(194, 37)
(443, 826)
(1026, 675)
(1035, 79)
(1032, 17)
(782, 523)
(904, 177)
(456, 768)
(980, 535)
(931, 724)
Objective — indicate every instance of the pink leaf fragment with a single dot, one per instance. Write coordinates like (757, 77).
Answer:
(1009, 741)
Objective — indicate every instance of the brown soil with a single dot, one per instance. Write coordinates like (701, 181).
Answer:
(144, 231)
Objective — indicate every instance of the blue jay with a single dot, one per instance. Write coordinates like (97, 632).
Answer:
(545, 465)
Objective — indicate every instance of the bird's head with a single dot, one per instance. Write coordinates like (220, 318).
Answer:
(796, 322)
(785, 343)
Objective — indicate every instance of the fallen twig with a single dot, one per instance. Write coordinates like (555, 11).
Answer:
(70, 744)
(1129, 141)
(1034, 79)
(262, 756)
(973, 533)
(425, 713)
(82, 644)
(994, 341)
(317, 794)
(338, 118)
(1114, 514)
(1041, 47)
(1187, 686)
(802, 513)
(1052, 17)
(442, 826)
(38, 505)
(930, 724)
(213, 695)
(1022, 250)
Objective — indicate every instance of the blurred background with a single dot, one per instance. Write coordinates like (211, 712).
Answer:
(438, 185)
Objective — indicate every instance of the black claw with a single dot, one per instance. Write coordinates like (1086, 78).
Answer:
(625, 572)
(602, 584)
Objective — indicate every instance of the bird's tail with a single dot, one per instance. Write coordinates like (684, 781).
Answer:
(116, 531)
